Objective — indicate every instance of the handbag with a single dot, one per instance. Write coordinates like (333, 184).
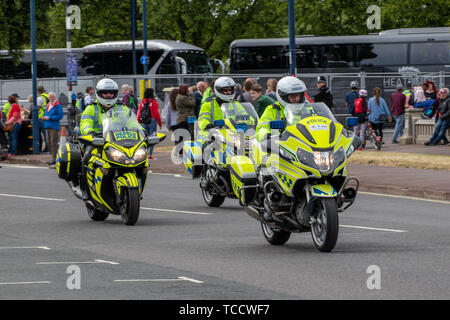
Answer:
(8, 127)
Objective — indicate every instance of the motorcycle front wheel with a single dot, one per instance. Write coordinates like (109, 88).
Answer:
(129, 212)
(325, 225)
(211, 198)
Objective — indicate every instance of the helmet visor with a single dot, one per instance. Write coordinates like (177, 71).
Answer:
(108, 94)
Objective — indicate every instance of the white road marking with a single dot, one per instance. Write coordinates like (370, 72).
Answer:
(33, 282)
(177, 211)
(23, 166)
(40, 247)
(372, 228)
(403, 197)
(79, 262)
(161, 280)
(30, 197)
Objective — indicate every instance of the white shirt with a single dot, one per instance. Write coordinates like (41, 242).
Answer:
(87, 100)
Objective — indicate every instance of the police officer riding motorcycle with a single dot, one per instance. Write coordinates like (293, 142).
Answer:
(108, 167)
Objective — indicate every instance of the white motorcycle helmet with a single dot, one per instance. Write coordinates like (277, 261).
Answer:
(106, 85)
(290, 85)
(224, 82)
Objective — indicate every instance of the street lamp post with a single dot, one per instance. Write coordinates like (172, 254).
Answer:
(144, 33)
(35, 109)
(292, 56)
(133, 39)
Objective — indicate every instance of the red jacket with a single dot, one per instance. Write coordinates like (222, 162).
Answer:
(14, 115)
(154, 109)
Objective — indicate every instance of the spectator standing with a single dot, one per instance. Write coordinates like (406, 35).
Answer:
(237, 91)
(53, 115)
(378, 112)
(185, 104)
(360, 110)
(148, 114)
(398, 101)
(324, 95)
(42, 101)
(208, 91)
(261, 100)
(14, 120)
(129, 98)
(271, 90)
(7, 107)
(246, 96)
(351, 96)
(198, 100)
(3, 139)
(172, 112)
(444, 119)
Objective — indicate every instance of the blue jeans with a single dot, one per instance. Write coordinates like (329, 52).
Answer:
(439, 131)
(150, 128)
(399, 124)
(14, 138)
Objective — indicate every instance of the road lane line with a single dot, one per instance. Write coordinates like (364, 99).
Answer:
(78, 262)
(30, 197)
(403, 197)
(30, 282)
(161, 280)
(372, 228)
(177, 211)
(40, 247)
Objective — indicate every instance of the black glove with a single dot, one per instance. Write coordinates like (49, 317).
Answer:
(209, 126)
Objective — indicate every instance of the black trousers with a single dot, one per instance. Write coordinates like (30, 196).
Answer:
(378, 128)
(3, 139)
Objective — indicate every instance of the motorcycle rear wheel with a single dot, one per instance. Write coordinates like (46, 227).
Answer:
(131, 205)
(325, 229)
(275, 237)
(96, 214)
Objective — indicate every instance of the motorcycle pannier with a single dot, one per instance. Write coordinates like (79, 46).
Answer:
(243, 179)
(68, 161)
(192, 158)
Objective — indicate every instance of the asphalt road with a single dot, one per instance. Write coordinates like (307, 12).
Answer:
(182, 249)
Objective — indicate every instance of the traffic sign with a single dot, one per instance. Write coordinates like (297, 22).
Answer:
(144, 60)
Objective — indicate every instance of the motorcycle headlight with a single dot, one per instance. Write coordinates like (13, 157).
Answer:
(324, 160)
(339, 157)
(140, 155)
(116, 155)
(286, 155)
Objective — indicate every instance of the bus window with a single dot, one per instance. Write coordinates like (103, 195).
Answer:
(168, 65)
(90, 63)
(335, 56)
(381, 54)
(430, 53)
(270, 57)
(307, 56)
(197, 61)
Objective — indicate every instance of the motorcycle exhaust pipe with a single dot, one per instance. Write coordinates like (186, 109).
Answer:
(253, 212)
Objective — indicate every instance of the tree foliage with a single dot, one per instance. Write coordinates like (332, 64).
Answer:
(209, 24)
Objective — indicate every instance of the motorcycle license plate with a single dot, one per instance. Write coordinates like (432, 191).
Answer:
(125, 135)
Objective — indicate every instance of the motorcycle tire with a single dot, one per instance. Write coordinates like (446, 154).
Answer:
(96, 214)
(325, 229)
(130, 212)
(276, 238)
(212, 200)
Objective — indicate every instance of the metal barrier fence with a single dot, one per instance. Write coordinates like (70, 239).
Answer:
(339, 83)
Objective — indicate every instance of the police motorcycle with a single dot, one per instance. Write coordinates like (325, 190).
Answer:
(218, 156)
(302, 182)
(108, 171)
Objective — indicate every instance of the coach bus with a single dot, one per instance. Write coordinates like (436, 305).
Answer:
(424, 48)
(111, 58)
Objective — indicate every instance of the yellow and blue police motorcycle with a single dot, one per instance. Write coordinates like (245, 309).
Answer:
(217, 154)
(302, 182)
(108, 171)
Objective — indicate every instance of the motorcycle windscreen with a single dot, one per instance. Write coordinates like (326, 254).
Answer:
(294, 113)
(122, 128)
(242, 116)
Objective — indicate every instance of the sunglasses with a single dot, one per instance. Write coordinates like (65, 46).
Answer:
(108, 92)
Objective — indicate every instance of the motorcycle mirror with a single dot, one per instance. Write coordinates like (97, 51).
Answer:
(277, 124)
(98, 142)
(153, 140)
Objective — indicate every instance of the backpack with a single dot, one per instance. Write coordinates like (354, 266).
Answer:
(132, 105)
(358, 106)
(146, 114)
